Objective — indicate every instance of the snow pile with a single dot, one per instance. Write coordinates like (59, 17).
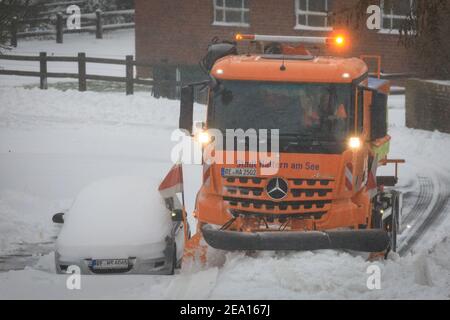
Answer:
(333, 275)
(303, 275)
(119, 216)
(195, 286)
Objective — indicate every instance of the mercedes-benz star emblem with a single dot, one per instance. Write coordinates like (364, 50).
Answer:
(277, 188)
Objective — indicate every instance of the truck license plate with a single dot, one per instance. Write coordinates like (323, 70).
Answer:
(238, 172)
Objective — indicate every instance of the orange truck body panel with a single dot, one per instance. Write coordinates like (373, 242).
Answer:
(317, 193)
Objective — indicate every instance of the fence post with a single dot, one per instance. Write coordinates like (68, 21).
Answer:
(81, 71)
(43, 69)
(59, 27)
(98, 24)
(14, 32)
(129, 74)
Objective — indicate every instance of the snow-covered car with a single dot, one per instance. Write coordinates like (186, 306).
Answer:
(120, 225)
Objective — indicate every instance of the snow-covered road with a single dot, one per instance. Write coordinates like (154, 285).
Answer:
(53, 143)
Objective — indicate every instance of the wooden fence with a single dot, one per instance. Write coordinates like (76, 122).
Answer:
(95, 17)
(129, 62)
(82, 76)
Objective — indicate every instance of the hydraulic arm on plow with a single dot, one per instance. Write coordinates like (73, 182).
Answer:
(332, 136)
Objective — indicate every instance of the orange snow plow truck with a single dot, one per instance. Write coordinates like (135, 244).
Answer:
(329, 120)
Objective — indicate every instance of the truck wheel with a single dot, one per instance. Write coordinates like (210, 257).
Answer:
(395, 222)
(173, 263)
(391, 225)
(376, 219)
(397, 210)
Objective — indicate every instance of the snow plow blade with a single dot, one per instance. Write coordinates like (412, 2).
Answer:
(373, 240)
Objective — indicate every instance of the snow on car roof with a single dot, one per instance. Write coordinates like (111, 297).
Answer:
(115, 212)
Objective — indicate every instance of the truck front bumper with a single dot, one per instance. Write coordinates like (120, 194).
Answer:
(370, 240)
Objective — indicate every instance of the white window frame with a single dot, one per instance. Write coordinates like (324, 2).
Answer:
(391, 16)
(307, 13)
(224, 9)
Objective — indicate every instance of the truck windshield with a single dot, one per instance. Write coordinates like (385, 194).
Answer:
(319, 111)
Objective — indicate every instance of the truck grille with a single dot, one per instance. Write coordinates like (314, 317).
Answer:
(280, 205)
(311, 182)
(271, 217)
(308, 197)
(311, 192)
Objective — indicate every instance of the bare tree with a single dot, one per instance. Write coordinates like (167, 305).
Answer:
(425, 31)
(10, 12)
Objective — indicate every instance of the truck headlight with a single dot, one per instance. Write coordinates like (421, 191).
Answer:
(354, 143)
(203, 137)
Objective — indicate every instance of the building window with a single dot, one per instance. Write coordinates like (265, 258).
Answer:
(231, 13)
(312, 14)
(395, 14)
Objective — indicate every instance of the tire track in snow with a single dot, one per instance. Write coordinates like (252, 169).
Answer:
(424, 199)
(26, 255)
(423, 204)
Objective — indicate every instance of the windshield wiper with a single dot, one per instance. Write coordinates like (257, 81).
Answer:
(308, 140)
(297, 135)
(300, 140)
(311, 136)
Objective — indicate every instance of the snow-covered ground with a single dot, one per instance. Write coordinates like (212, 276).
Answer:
(53, 143)
(115, 45)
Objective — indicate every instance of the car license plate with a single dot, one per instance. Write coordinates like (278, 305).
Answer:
(238, 172)
(99, 264)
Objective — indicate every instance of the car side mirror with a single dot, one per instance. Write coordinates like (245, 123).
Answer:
(58, 218)
(186, 108)
(177, 215)
(378, 115)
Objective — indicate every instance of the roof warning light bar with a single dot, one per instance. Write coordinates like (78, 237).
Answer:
(338, 40)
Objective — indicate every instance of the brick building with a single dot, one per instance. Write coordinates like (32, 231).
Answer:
(177, 33)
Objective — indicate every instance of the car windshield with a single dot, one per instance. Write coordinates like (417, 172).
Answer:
(319, 111)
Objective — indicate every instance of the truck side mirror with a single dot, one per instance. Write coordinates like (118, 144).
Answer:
(217, 51)
(187, 108)
(177, 215)
(378, 115)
